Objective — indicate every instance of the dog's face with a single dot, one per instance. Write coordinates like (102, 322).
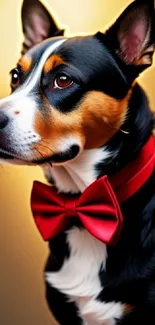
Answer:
(72, 94)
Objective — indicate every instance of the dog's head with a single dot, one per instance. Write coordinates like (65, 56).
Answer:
(71, 94)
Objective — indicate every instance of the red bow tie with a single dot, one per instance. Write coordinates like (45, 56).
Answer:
(97, 207)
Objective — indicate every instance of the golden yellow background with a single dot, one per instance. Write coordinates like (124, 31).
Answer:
(23, 253)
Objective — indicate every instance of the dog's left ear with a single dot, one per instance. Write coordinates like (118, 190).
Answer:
(132, 37)
(37, 23)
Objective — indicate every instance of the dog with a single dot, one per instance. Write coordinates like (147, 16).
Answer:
(77, 111)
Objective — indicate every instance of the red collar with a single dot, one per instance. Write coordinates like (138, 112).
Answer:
(132, 177)
(98, 207)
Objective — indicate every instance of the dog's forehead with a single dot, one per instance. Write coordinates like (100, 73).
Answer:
(78, 51)
(35, 54)
(87, 53)
(70, 50)
(83, 52)
(38, 50)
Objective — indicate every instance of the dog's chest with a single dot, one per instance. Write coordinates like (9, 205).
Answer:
(79, 279)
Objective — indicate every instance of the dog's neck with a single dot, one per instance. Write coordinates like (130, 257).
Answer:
(76, 175)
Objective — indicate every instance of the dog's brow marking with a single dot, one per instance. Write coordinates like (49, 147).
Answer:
(36, 73)
(41, 64)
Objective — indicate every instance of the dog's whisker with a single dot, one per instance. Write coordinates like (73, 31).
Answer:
(45, 140)
(44, 146)
(43, 156)
(39, 153)
(48, 149)
(123, 131)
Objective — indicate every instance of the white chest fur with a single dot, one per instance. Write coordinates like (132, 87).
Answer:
(74, 176)
(79, 276)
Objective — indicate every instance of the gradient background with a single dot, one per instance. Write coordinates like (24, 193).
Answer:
(22, 251)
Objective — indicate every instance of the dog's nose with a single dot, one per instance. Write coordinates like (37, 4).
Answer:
(3, 121)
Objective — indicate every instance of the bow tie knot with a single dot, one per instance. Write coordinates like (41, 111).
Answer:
(70, 207)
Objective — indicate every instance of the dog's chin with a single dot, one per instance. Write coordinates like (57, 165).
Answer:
(56, 159)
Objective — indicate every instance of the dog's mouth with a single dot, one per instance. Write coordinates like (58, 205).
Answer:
(12, 158)
(5, 156)
(61, 157)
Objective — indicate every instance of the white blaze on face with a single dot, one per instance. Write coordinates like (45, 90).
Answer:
(21, 107)
(30, 83)
(27, 109)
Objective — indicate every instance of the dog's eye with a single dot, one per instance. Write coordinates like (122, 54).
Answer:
(62, 81)
(15, 78)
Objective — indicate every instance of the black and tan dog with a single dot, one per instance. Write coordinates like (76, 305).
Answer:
(77, 111)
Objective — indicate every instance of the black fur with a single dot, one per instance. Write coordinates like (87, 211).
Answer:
(64, 311)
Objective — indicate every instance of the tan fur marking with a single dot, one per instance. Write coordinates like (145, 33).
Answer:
(25, 63)
(94, 122)
(128, 309)
(52, 62)
(102, 116)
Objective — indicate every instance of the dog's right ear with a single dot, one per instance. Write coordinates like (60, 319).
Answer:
(37, 24)
(132, 37)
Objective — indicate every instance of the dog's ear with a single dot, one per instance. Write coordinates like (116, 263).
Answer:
(132, 37)
(37, 24)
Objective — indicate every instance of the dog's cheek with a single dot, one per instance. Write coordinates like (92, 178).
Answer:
(97, 118)
(56, 130)
(102, 117)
